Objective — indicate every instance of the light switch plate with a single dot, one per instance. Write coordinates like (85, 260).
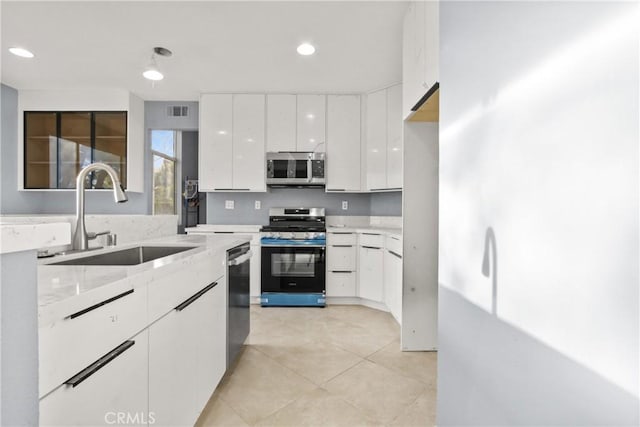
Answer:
(229, 204)
(345, 205)
(257, 204)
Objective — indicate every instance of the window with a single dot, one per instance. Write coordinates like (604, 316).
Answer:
(163, 150)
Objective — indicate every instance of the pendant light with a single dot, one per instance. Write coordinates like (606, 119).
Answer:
(152, 72)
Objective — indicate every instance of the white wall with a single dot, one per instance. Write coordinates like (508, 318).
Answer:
(539, 145)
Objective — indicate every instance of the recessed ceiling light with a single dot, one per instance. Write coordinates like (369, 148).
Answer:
(310, 116)
(18, 51)
(306, 49)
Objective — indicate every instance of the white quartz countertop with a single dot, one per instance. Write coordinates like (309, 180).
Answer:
(17, 237)
(387, 231)
(224, 228)
(64, 289)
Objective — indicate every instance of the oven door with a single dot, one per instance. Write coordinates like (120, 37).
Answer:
(293, 269)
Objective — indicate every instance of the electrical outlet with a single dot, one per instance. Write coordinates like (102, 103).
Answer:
(229, 204)
(345, 205)
(257, 205)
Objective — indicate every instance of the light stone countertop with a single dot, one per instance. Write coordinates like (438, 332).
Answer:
(17, 237)
(225, 228)
(387, 231)
(65, 289)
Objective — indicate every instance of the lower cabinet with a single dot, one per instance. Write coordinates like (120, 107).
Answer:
(186, 358)
(112, 390)
(393, 283)
(341, 283)
(371, 273)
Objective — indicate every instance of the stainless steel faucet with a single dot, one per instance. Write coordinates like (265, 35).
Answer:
(80, 236)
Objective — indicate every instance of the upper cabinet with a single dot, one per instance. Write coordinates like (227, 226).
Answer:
(384, 139)
(311, 123)
(281, 123)
(420, 52)
(343, 143)
(232, 142)
(61, 132)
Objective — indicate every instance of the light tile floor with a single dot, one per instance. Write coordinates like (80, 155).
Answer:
(337, 366)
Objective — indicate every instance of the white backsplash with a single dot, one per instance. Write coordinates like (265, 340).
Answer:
(386, 221)
(128, 228)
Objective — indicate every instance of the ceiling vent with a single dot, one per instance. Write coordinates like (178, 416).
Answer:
(177, 111)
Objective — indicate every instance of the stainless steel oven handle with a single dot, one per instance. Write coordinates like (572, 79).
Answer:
(241, 259)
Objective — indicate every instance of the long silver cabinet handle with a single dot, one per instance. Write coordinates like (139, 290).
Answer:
(99, 364)
(100, 304)
(341, 246)
(194, 297)
(370, 247)
(393, 253)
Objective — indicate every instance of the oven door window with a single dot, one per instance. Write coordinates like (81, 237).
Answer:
(293, 264)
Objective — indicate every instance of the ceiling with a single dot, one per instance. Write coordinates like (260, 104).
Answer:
(217, 46)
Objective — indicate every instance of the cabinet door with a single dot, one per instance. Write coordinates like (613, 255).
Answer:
(172, 375)
(377, 140)
(341, 258)
(311, 123)
(393, 284)
(371, 274)
(248, 143)
(119, 386)
(211, 355)
(431, 44)
(394, 137)
(343, 143)
(281, 123)
(341, 284)
(215, 143)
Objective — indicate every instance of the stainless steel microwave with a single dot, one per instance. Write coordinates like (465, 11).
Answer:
(295, 169)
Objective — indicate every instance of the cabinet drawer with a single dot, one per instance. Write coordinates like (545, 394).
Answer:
(341, 258)
(76, 341)
(372, 239)
(394, 244)
(341, 238)
(119, 386)
(341, 284)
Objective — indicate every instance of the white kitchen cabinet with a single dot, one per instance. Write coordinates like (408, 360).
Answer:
(248, 142)
(393, 283)
(311, 112)
(376, 143)
(394, 137)
(281, 123)
(117, 387)
(371, 272)
(215, 142)
(231, 142)
(70, 344)
(420, 52)
(341, 283)
(186, 360)
(341, 264)
(343, 143)
(384, 139)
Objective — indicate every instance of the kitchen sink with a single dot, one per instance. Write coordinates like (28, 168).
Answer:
(131, 256)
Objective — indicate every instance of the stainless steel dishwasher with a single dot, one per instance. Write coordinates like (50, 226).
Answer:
(238, 322)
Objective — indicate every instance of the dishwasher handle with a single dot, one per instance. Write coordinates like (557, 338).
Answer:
(242, 258)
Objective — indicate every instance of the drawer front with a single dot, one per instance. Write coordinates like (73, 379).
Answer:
(394, 245)
(371, 239)
(71, 344)
(118, 387)
(341, 284)
(341, 238)
(341, 258)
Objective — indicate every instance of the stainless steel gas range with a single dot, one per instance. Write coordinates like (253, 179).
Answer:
(293, 257)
